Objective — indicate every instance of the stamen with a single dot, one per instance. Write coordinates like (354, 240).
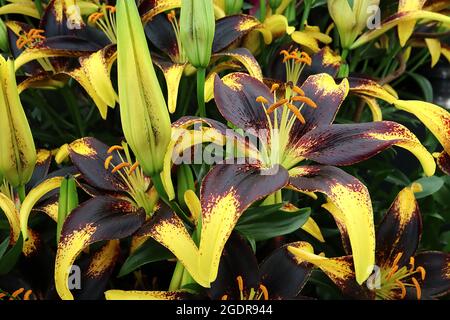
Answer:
(2, 295)
(306, 100)
(418, 290)
(422, 272)
(298, 91)
(93, 18)
(391, 273)
(224, 297)
(17, 292)
(264, 291)
(240, 283)
(411, 263)
(274, 88)
(296, 112)
(120, 166)
(261, 99)
(171, 16)
(114, 148)
(108, 162)
(397, 258)
(402, 287)
(27, 295)
(29, 38)
(276, 105)
(110, 8)
(133, 168)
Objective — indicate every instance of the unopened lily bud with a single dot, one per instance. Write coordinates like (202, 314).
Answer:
(3, 37)
(143, 110)
(197, 27)
(233, 6)
(18, 153)
(350, 20)
(68, 201)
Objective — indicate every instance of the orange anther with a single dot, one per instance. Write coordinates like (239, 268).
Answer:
(298, 91)
(133, 168)
(274, 88)
(224, 297)
(264, 291)
(27, 295)
(261, 99)
(422, 271)
(108, 162)
(402, 287)
(110, 8)
(114, 148)
(418, 290)
(240, 282)
(306, 100)
(276, 105)
(397, 258)
(17, 292)
(120, 167)
(296, 112)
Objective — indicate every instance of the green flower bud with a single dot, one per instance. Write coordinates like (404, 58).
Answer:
(197, 27)
(143, 110)
(68, 200)
(233, 6)
(17, 150)
(3, 37)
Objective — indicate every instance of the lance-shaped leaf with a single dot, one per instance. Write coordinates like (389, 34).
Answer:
(400, 230)
(94, 76)
(27, 8)
(18, 156)
(98, 219)
(340, 270)
(352, 198)
(346, 144)
(144, 115)
(397, 18)
(226, 192)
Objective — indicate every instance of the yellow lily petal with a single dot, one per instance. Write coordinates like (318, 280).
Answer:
(435, 118)
(22, 7)
(9, 209)
(33, 197)
(434, 46)
(374, 107)
(406, 28)
(313, 229)
(142, 295)
(172, 74)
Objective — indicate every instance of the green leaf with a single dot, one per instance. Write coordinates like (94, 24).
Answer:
(267, 222)
(429, 185)
(424, 84)
(3, 247)
(9, 260)
(150, 251)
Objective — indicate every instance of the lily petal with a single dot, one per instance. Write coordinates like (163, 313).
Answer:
(435, 118)
(346, 144)
(145, 295)
(160, 33)
(374, 107)
(340, 270)
(437, 267)
(9, 209)
(231, 29)
(283, 274)
(443, 161)
(246, 58)
(149, 9)
(397, 18)
(353, 200)
(400, 230)
(406, 28)
(43, 161)
(371, 88)
(25, 8)
(98, 219)
(89, 155)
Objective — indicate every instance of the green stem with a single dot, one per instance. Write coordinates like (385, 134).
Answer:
(305, 15)
(262, 10)
(21, 192)
(39, 7)
(177, 276)
(186, 279)
(201, 75)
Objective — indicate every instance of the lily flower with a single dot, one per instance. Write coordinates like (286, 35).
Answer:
(122, 197)
(279, 276)
(163, 31)
(410, 13)
(401, 272)
(298, 126)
